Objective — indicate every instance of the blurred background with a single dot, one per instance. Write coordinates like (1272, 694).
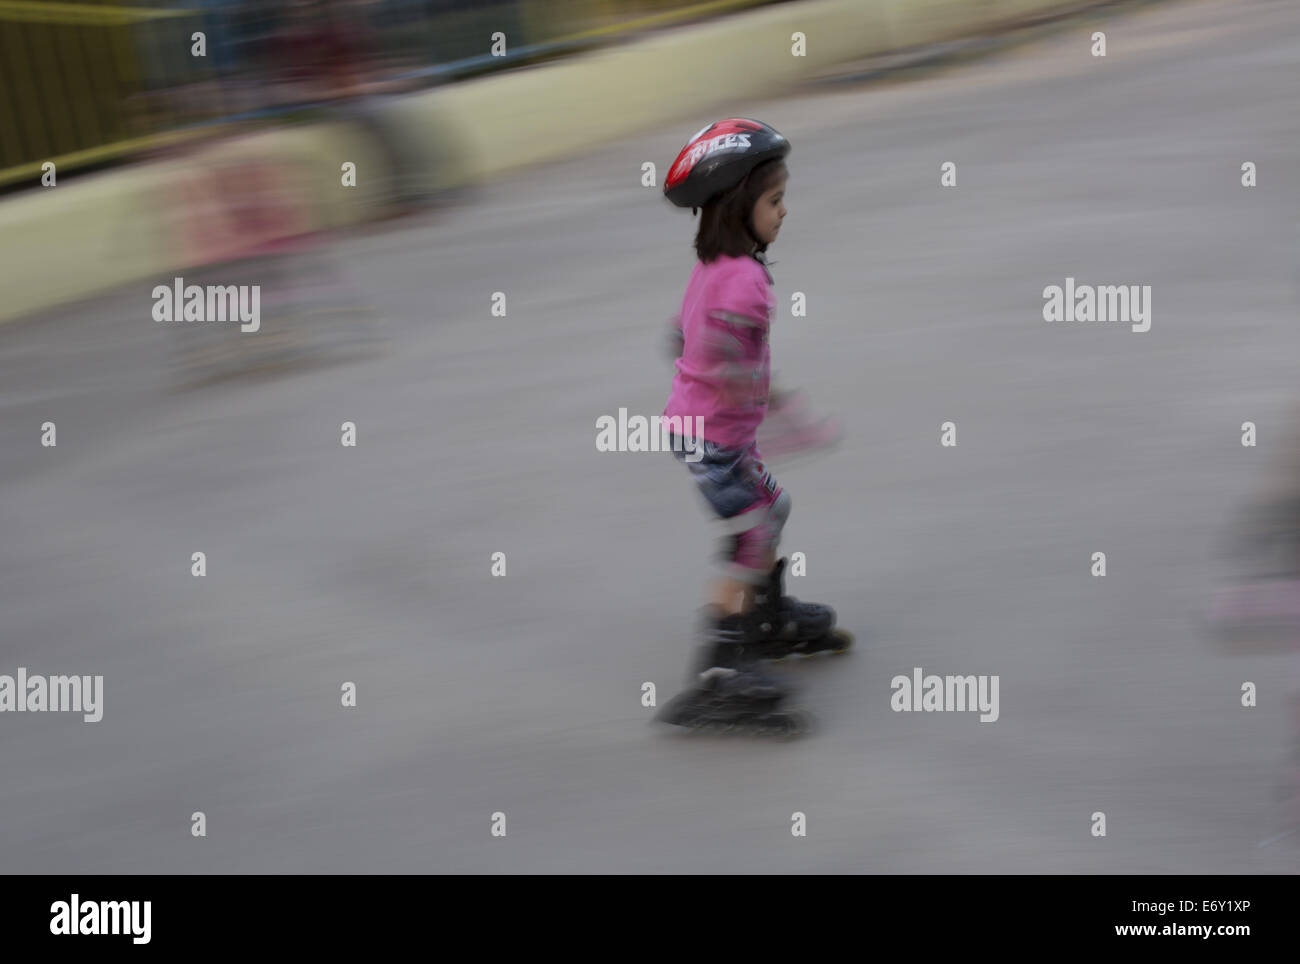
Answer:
(90, 82)
(524, 176)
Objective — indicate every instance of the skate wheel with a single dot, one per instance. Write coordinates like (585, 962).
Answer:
(790, 724)
(841, 641)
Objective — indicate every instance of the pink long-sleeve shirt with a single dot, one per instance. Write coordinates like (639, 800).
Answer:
(725, 366)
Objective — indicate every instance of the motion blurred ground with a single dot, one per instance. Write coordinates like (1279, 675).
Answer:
(477, 433)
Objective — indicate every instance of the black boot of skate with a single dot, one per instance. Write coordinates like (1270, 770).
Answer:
(788, 627)
(728, 691)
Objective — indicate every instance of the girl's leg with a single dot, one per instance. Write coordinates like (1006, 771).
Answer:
(734, 595)
(769, 560)
(730, 595)
(731, 479)
(755, 549)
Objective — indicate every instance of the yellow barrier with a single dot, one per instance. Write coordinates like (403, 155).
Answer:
(85, 14)
(72, 71)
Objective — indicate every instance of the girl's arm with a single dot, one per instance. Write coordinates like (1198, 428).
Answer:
(675, 341)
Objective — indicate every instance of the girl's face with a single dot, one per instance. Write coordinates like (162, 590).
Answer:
(769, 211)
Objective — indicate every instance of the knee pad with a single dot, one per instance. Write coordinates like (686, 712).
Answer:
(779, 512)
(748, 548)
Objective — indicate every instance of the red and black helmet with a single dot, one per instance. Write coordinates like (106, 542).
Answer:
(718, 157)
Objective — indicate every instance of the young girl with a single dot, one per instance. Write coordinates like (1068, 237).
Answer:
(734, 172)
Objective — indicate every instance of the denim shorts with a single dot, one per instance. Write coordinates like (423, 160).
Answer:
(745, 496)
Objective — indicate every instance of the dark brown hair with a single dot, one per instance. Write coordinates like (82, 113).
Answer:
(725, 226)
